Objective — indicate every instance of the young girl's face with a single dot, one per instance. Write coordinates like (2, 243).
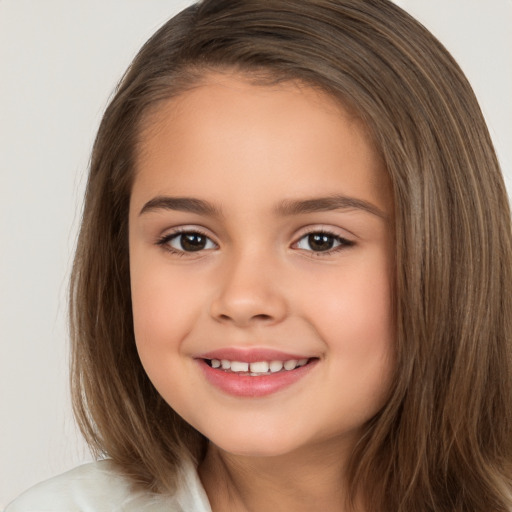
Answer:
(261, 241)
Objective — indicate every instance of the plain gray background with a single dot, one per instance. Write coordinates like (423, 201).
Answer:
(59, 62)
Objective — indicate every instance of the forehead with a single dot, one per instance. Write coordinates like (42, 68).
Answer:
(231, 130)
(222, 93)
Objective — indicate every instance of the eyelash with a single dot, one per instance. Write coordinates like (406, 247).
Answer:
(343, 243)
(164, 241)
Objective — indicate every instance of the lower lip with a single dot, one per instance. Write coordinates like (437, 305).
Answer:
(254, 387)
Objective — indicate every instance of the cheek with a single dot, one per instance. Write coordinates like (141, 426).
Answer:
(165, 308)
(353, 314)
(353, 306)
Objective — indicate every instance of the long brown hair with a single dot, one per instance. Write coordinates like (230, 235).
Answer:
(443, 441)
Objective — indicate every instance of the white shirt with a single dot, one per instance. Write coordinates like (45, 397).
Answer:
(99, 487)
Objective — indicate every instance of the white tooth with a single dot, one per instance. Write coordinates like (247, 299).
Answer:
(302, 362)
(290, 365)
(215, 363)
(226, 365)
(275, 366)
(259, 367)
(238, 366)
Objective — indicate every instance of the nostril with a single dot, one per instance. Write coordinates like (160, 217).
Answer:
(248, 309)
(262, 317)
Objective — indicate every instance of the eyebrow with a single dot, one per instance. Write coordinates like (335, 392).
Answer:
(287, 207)
(183, 204)
(323, 204)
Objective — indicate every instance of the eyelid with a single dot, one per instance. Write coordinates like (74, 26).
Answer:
(163, 240)
(326, 229)
(345, 242)
(334, 232)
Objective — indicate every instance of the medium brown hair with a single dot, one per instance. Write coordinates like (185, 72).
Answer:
(443, 440)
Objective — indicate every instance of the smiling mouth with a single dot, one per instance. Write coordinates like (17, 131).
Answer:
(257, 368)
(256, 373)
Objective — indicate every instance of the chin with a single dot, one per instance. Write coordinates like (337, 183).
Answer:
(252, 445)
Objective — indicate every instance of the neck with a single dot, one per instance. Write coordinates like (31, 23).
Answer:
(312, 479)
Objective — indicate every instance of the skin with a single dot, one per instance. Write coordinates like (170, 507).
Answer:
(259, 283)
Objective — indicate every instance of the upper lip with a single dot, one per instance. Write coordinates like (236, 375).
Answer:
(251, 355)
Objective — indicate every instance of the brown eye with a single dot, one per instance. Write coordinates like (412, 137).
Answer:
(322, 242)
(191, 241)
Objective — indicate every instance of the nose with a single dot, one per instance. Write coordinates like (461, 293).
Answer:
(249, 293)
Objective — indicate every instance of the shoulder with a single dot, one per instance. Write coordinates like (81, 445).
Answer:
(99, 487)
(92, 487)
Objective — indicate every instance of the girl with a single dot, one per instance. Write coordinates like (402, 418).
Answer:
(292, 284)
